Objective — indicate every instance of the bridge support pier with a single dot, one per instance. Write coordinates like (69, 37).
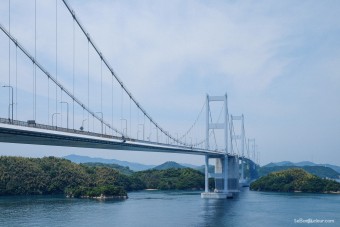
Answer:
(206, 175)
(226, 166)
(244, 182)
(242, 169)
(233, 175)
(226, 178)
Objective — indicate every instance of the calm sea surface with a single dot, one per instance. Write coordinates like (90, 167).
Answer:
(172, 208)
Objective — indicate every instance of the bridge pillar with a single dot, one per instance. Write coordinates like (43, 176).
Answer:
(226, 178)
(244, 182)
(242, 169)
(222, 167)
(219, 178)
(225, 173)
(206, 178)
(233, 174)
(221, 174)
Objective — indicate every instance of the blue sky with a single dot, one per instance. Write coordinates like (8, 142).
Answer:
(277, 60)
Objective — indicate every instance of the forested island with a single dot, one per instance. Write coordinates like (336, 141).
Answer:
(295, 180)
(320, 171)
(51, 175)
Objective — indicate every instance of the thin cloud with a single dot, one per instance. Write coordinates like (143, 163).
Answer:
(268, 56)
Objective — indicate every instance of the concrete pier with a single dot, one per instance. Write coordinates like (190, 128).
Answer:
(226, 178)
(216, 195)
(226, 173)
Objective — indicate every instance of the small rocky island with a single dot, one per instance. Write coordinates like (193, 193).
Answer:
(295, 180)
(103, 192)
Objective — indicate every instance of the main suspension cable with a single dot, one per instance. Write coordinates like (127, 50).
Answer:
(195, 122)
(54, 80)
(116, 77)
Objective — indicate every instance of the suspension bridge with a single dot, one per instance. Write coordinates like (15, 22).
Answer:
(67, 94)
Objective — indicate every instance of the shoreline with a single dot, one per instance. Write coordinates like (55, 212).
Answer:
(101, 197)
(296, 192)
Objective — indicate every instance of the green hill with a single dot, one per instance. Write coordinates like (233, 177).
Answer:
(174, 178)
(122, 169)
(85, 159)
(292, 180)
(50, 175)
(202, 169)
(169, 165)
(301, 164)
(320, 171)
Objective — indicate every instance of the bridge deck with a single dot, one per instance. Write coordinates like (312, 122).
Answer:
(24, 133)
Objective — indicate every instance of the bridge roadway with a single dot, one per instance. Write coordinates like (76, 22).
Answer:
(39, 134)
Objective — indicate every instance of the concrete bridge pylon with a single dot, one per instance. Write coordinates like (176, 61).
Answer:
(226, 173)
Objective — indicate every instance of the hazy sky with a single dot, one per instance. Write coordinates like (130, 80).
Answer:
(279, 62)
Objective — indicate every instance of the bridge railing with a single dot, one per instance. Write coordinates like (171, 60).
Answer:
(33, 124)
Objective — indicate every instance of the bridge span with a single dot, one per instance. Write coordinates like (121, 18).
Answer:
(95, 96)
(39, 134)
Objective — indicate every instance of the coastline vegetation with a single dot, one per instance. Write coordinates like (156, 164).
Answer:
(295, 180)
(173, 178)
(320, 171)
(109, 191)
(51, 175)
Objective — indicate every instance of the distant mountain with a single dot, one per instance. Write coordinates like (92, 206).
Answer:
(271, 164)
(336, 168)
(169, 165)
(84, 159)
(122, 169)
(189, 165)
(304, 163)
(284, 163)
(202, 168)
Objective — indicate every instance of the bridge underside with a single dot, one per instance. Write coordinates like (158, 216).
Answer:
(226, 174)
(31, 135)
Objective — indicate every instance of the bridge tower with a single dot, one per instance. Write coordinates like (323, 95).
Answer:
(226, 173)
(241, 138)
